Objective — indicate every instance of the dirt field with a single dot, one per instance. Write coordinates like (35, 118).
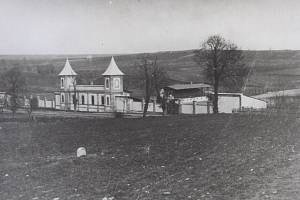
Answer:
(178, 157)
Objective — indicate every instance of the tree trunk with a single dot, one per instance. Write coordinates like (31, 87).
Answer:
(164, 105)
(74, 98)
(146, 106)
(75, 102)
(147, 90)
(215, 103)
(147, 98)
(216, 95)
(13, 104)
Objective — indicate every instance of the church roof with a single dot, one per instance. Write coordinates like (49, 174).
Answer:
(67, 70)
(112, 69)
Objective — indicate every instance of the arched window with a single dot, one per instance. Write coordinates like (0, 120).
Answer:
(117, 83)
(107, 100)
(82, 99)
(107, 83)
(102, 100)
(93, 100)
(62, 82)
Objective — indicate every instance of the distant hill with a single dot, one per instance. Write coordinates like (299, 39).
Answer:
(271, 70)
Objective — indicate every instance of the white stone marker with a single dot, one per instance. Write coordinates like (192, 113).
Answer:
(81, 151)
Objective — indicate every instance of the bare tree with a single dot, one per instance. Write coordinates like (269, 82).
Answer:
(14, 83)
(33, 105)
(153, 77)
(223, 62)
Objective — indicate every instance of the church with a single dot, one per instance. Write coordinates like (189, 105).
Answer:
(109, 97)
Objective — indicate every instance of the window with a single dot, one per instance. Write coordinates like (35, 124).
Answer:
(62, 82)
(82, 99)
(107, 100)
(102, 100)
(117, 83)
(93, 100)
(107, 83)
(62, 98)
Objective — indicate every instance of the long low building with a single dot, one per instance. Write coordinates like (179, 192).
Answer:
(227, 103)
(194, 99)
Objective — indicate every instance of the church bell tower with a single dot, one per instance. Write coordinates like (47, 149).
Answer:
(113, 82)
(67, 83)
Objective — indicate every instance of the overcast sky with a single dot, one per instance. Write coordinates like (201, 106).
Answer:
(128, 26)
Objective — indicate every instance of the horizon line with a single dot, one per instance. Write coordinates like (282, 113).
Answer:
(130, 53)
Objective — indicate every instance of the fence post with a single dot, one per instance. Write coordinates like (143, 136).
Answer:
(143, 103)
(97, 102)
(194, 107)
(208, 107)
(180, 108)
(54, 101)
(87, 101)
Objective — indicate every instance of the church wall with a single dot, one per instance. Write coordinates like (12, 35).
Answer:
(118, 103)
(115, 83)
(95, 88)
(123, 104)
(68, 82)
(136, 106)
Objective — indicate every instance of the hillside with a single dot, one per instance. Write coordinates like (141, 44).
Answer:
(272, 70)
(177, 157)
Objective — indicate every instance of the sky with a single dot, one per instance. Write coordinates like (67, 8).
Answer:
(136, 26)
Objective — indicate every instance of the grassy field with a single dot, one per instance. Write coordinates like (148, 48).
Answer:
(175, 157)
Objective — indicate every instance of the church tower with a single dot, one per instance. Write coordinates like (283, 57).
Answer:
(67, 77)
(113, 82)
(67, 84)
(113, 77)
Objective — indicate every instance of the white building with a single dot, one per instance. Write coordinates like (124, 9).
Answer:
(92, 98)
(232, 102)
(197, 99)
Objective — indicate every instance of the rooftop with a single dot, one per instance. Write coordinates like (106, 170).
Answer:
(67, 70)
(113, 69)
(188, 86)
